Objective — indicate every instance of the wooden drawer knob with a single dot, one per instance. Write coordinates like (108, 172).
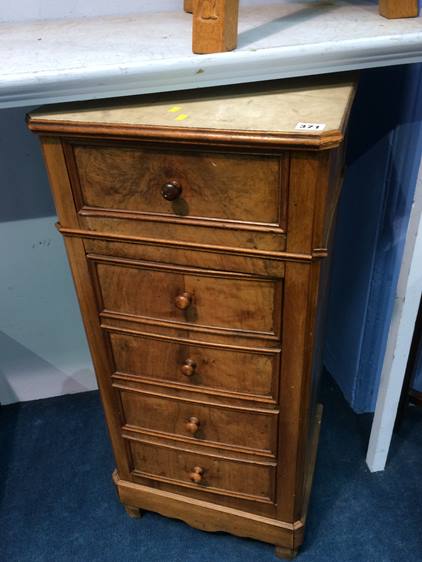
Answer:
(196, 474)
(188, 368)
(192, 425)
(171, 190)
(183, 301)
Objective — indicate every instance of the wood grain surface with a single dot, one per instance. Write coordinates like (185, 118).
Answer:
(251, 480)
(394, 9)
(201, 276)
(214, 27)
(237, 187)
(214, 368)
(226, 300)
(217, 423)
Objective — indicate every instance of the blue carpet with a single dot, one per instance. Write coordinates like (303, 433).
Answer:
(57, 502)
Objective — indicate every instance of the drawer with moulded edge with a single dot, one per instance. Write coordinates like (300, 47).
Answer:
(201, 421)
(233, 373)
(208, 473)
(132, 178)
(236, 303)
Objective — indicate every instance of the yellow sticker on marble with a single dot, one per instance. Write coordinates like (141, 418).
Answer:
(181, 117)
(174, 109)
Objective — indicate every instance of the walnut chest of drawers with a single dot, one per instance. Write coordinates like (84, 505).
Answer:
(197, 226)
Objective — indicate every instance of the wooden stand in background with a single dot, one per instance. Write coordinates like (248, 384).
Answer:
(214, 27)
(395, 9)
(215, 22)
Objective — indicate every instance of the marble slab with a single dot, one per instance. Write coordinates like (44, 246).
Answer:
(318, 104)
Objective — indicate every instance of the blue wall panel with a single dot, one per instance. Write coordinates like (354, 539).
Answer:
(385, 146)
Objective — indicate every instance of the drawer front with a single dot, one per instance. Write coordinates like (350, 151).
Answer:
(216, 186)
(194, 421)
(205, 472)
(201, 366)
(219, 300)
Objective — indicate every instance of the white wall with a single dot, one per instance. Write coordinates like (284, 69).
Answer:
(24, 10)
(43, 351)
(42, 345)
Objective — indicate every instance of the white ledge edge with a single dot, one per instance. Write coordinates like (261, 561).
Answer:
(208, 70)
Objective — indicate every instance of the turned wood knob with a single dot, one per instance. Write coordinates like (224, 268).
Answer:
(188, 368)
(183, 301)
(171, 190)
(196, 474)
(192, 425)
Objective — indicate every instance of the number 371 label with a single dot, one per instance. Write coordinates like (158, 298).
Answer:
(310, 126)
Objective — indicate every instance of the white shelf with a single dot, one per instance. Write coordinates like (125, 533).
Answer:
(66, 60)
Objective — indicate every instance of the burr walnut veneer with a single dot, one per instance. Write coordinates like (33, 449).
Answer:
(197, 226)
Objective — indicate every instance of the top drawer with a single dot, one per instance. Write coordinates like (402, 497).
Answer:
(215, 186)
